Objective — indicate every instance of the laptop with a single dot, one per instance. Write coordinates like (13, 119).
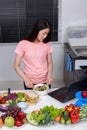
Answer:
(67, 93)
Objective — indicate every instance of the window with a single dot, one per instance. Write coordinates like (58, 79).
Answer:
(18, 16)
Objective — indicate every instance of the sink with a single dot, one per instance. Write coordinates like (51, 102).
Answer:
(80, 50)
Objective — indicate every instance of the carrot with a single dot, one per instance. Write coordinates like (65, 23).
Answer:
(57, 119)
(1, 122)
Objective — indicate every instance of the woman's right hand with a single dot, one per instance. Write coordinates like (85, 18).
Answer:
(29, 84)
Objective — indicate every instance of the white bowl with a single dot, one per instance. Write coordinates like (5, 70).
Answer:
(22, 105)
(38, 87)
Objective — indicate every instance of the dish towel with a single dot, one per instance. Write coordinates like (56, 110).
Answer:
(69, 63)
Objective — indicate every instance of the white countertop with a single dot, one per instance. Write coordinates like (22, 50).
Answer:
(47, 100)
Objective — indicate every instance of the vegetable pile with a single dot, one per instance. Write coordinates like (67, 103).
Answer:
(49, 114)
(7, 99)
(70, 114)
(44, 116)
(10, 112)
(83, 112)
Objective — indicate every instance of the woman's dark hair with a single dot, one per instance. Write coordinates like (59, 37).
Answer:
(40, 25)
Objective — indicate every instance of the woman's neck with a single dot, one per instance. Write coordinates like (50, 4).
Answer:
(36, 41)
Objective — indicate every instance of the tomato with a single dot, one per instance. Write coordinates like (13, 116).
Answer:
(1, 97)
(84, 94)
(74, 116)
(3, 101)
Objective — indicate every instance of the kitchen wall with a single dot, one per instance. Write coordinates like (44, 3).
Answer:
(73, 12)
(9, 76)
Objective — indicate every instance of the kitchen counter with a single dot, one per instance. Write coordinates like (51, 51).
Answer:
(47, 100)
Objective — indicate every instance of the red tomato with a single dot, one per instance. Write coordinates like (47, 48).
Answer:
(1, 97)
(84, 94)
(3, 101)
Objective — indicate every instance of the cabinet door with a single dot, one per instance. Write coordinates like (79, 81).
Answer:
(68, 76)
(75, 78)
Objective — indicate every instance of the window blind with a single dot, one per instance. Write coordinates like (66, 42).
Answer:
(17, 18)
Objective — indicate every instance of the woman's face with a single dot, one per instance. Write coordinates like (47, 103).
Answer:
(42, 34)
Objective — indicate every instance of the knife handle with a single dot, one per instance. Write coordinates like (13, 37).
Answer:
(49, 86)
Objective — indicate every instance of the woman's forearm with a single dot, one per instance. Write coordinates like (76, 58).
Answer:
(50, 69)
(21, 73)
(17, 68)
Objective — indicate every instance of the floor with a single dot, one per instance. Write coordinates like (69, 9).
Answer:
(18, 85)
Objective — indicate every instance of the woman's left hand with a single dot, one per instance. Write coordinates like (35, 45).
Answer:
(29, 84)
(49, 79)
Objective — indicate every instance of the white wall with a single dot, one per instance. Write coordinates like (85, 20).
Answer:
(73, 11)
(6, 65)
(7, 55)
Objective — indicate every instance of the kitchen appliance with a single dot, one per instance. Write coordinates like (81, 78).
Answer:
(80, 62)
(67, 93)
(80, 50)
(81, 54)
(77, 39)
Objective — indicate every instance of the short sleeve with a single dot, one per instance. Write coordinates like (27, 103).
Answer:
(20, 48)
(49, 48)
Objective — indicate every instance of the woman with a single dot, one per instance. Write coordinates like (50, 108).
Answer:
(36, 53)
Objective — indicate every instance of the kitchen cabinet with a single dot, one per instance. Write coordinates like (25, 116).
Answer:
(69, 76)
(75, 78)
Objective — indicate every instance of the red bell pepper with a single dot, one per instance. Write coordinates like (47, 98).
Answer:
(74, 116)
(69, 108)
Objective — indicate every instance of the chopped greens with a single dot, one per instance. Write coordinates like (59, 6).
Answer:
(46, 115)
(83, 112)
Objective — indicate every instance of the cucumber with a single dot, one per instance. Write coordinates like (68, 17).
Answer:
(66, 115)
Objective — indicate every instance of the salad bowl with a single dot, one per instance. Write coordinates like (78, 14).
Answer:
(41, 89)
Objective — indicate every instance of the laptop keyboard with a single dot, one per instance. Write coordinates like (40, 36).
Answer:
(59, 94)
(65, 94)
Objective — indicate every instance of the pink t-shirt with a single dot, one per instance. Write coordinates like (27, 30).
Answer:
(35, 59)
